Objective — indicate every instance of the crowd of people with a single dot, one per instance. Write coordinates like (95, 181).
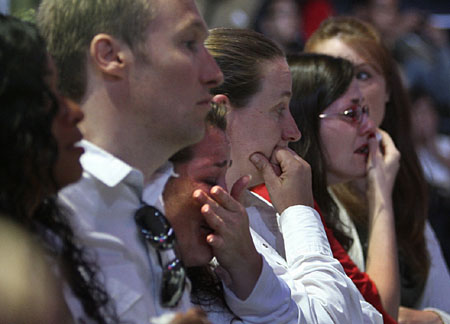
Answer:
(159, 172)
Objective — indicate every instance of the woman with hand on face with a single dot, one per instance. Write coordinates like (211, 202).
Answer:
(200, 168)
(424, 277)
(339, 141)
(289, 233)
(38, 133)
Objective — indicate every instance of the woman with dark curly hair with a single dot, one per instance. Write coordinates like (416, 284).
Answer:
(38, 133)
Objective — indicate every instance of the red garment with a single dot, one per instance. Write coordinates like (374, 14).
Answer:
(313, 13)
(361, 280)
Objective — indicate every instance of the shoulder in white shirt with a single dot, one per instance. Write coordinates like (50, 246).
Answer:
(103, 204)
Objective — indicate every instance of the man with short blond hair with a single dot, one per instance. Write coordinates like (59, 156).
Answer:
(142, 76)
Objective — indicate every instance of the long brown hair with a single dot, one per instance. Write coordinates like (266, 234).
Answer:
(317, 81)
(410, 197)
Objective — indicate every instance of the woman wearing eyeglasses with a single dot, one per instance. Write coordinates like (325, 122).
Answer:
(340, 143)
(425, 278)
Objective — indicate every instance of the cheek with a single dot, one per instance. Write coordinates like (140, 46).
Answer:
(375, 97)
(57, 132)
(334, 145)
(250, 135)
(177, 200)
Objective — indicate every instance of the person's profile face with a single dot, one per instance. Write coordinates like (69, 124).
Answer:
(67, 168)
(264, 124)
(344, 140)
(371, 81)
(209, 161)
(171, 90)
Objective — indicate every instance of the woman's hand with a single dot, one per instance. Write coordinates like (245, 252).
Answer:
(231, 240)
(414, 316)
(382, 256)
(382, 167)
(293, 186)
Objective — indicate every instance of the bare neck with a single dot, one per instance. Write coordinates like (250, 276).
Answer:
(112, 127)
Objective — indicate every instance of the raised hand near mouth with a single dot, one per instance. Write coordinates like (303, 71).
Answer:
(382, 259)
(383, 163)
(231, 240)
(293, 186)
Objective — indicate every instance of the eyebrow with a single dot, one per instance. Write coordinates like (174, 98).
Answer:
(195, 25)
(365, 64)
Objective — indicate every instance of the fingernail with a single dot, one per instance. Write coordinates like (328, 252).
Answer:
(255, 158)
(197, 193)
(378, 136)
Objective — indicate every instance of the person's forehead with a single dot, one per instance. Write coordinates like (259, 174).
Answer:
(276, 78)
(345, 101)
(179, 14)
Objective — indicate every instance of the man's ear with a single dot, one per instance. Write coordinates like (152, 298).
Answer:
(109, 55)
(221, 99)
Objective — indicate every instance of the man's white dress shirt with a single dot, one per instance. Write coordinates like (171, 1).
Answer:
(310, 287)
(103, 204)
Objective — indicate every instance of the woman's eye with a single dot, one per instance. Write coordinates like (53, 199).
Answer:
(191, 45)
(279, 111)
(350, 113)
(363, 75)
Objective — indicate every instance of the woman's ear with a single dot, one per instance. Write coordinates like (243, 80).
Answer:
(109, 55)
(221, 99)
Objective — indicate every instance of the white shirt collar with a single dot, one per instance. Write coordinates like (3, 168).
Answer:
(152, 193)
(111, 171)
(103, 165)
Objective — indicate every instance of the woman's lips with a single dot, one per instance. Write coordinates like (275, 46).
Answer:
(364, 149)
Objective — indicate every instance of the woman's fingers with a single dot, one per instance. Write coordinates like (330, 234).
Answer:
(240, 186)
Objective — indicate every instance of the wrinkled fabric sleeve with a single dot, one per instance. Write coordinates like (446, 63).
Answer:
(269, 302)
(322, 290)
